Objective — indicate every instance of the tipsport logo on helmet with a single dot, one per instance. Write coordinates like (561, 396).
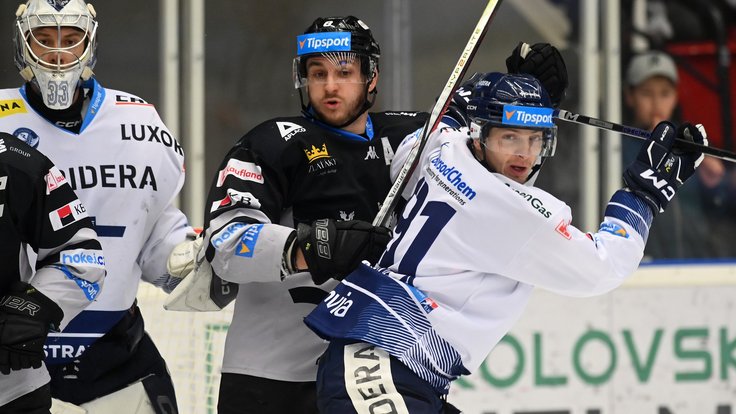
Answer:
(323, 43)
(529, 117)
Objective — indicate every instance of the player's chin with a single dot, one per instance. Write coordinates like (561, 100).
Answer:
(517, 173)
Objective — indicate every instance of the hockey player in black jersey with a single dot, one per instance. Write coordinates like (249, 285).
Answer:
(40, 210)
(295, 193)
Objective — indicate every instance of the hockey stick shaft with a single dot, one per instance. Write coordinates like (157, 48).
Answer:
(641, 134)
(394, 194)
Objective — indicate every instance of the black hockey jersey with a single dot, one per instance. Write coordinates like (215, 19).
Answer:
(39, 209)
(283, 172)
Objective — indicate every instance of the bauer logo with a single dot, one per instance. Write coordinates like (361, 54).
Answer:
(323, 42)
(526, 116)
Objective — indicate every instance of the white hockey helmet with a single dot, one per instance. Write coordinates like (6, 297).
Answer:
(56, 70)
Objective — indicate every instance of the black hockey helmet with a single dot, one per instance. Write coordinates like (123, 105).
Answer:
(340, 39)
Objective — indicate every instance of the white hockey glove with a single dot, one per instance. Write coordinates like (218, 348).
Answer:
(193, 293)
(183, 259)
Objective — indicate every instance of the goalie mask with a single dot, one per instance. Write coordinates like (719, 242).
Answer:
(55, 44)
(341, 41)
(518, 103)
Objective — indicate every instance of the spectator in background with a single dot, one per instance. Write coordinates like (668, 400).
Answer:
(651, 95)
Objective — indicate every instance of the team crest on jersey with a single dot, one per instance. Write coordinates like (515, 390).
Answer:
(317, 153)
(67, 215)
(12, 107)
(344, 216)
(54, 179)
(289, 129)
(28, 136)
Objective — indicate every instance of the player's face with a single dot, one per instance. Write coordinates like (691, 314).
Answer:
(337, 92)
(57, 46)
(512, 152)
(652, 101)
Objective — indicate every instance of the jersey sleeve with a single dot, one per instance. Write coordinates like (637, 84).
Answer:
(170, 229)
(48, 217)
(563, 259)
(244, 238)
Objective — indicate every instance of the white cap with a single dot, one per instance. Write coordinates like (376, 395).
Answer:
(649, 64)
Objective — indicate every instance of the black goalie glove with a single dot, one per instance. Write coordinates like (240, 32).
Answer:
(333, 249)
(544, 62)
(660, 167)
(26, 316)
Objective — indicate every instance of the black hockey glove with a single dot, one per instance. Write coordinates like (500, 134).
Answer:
(333, 249)
(544, 62)
(26, 316)
(660, 167)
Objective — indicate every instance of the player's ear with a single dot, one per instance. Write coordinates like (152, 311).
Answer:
(374, 82)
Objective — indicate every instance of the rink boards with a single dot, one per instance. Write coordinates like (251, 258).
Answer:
(664, 343)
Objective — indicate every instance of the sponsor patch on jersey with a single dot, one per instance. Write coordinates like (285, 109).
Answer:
(323, 42)
(425, 301)
(317, 153)
(369, 382)
(130, 100)
(67, 215)
(614, 229)
(243, 170)
(226, 234)
(562, 229)
(82, 257)
(54, 179)
(526, 116)
(289, 129)
(236, 197)
(450, 178)
(247, 244)
(28, 136)
(91, 258)
(11, 107)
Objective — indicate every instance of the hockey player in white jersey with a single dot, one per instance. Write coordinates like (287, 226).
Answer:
(39, 210)
(472, 243)
(126, 167)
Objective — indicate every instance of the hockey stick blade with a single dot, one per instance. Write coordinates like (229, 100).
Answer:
(392, 199)
(568, 116)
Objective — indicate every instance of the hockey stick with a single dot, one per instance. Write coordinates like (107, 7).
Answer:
(641, 134)
(389, 203)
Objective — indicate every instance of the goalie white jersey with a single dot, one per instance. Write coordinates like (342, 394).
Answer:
(466, 254)
(126, 167)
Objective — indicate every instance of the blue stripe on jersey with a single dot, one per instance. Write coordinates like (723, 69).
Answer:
(371, 307)
(628, 207)
(84, 330)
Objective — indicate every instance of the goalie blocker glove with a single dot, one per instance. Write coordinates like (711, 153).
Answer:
(26, 316)
(333, 249)
(660, 168)
(544, 62)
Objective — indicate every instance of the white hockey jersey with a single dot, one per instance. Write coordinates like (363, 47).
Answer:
(466, 254)
(126, 167)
